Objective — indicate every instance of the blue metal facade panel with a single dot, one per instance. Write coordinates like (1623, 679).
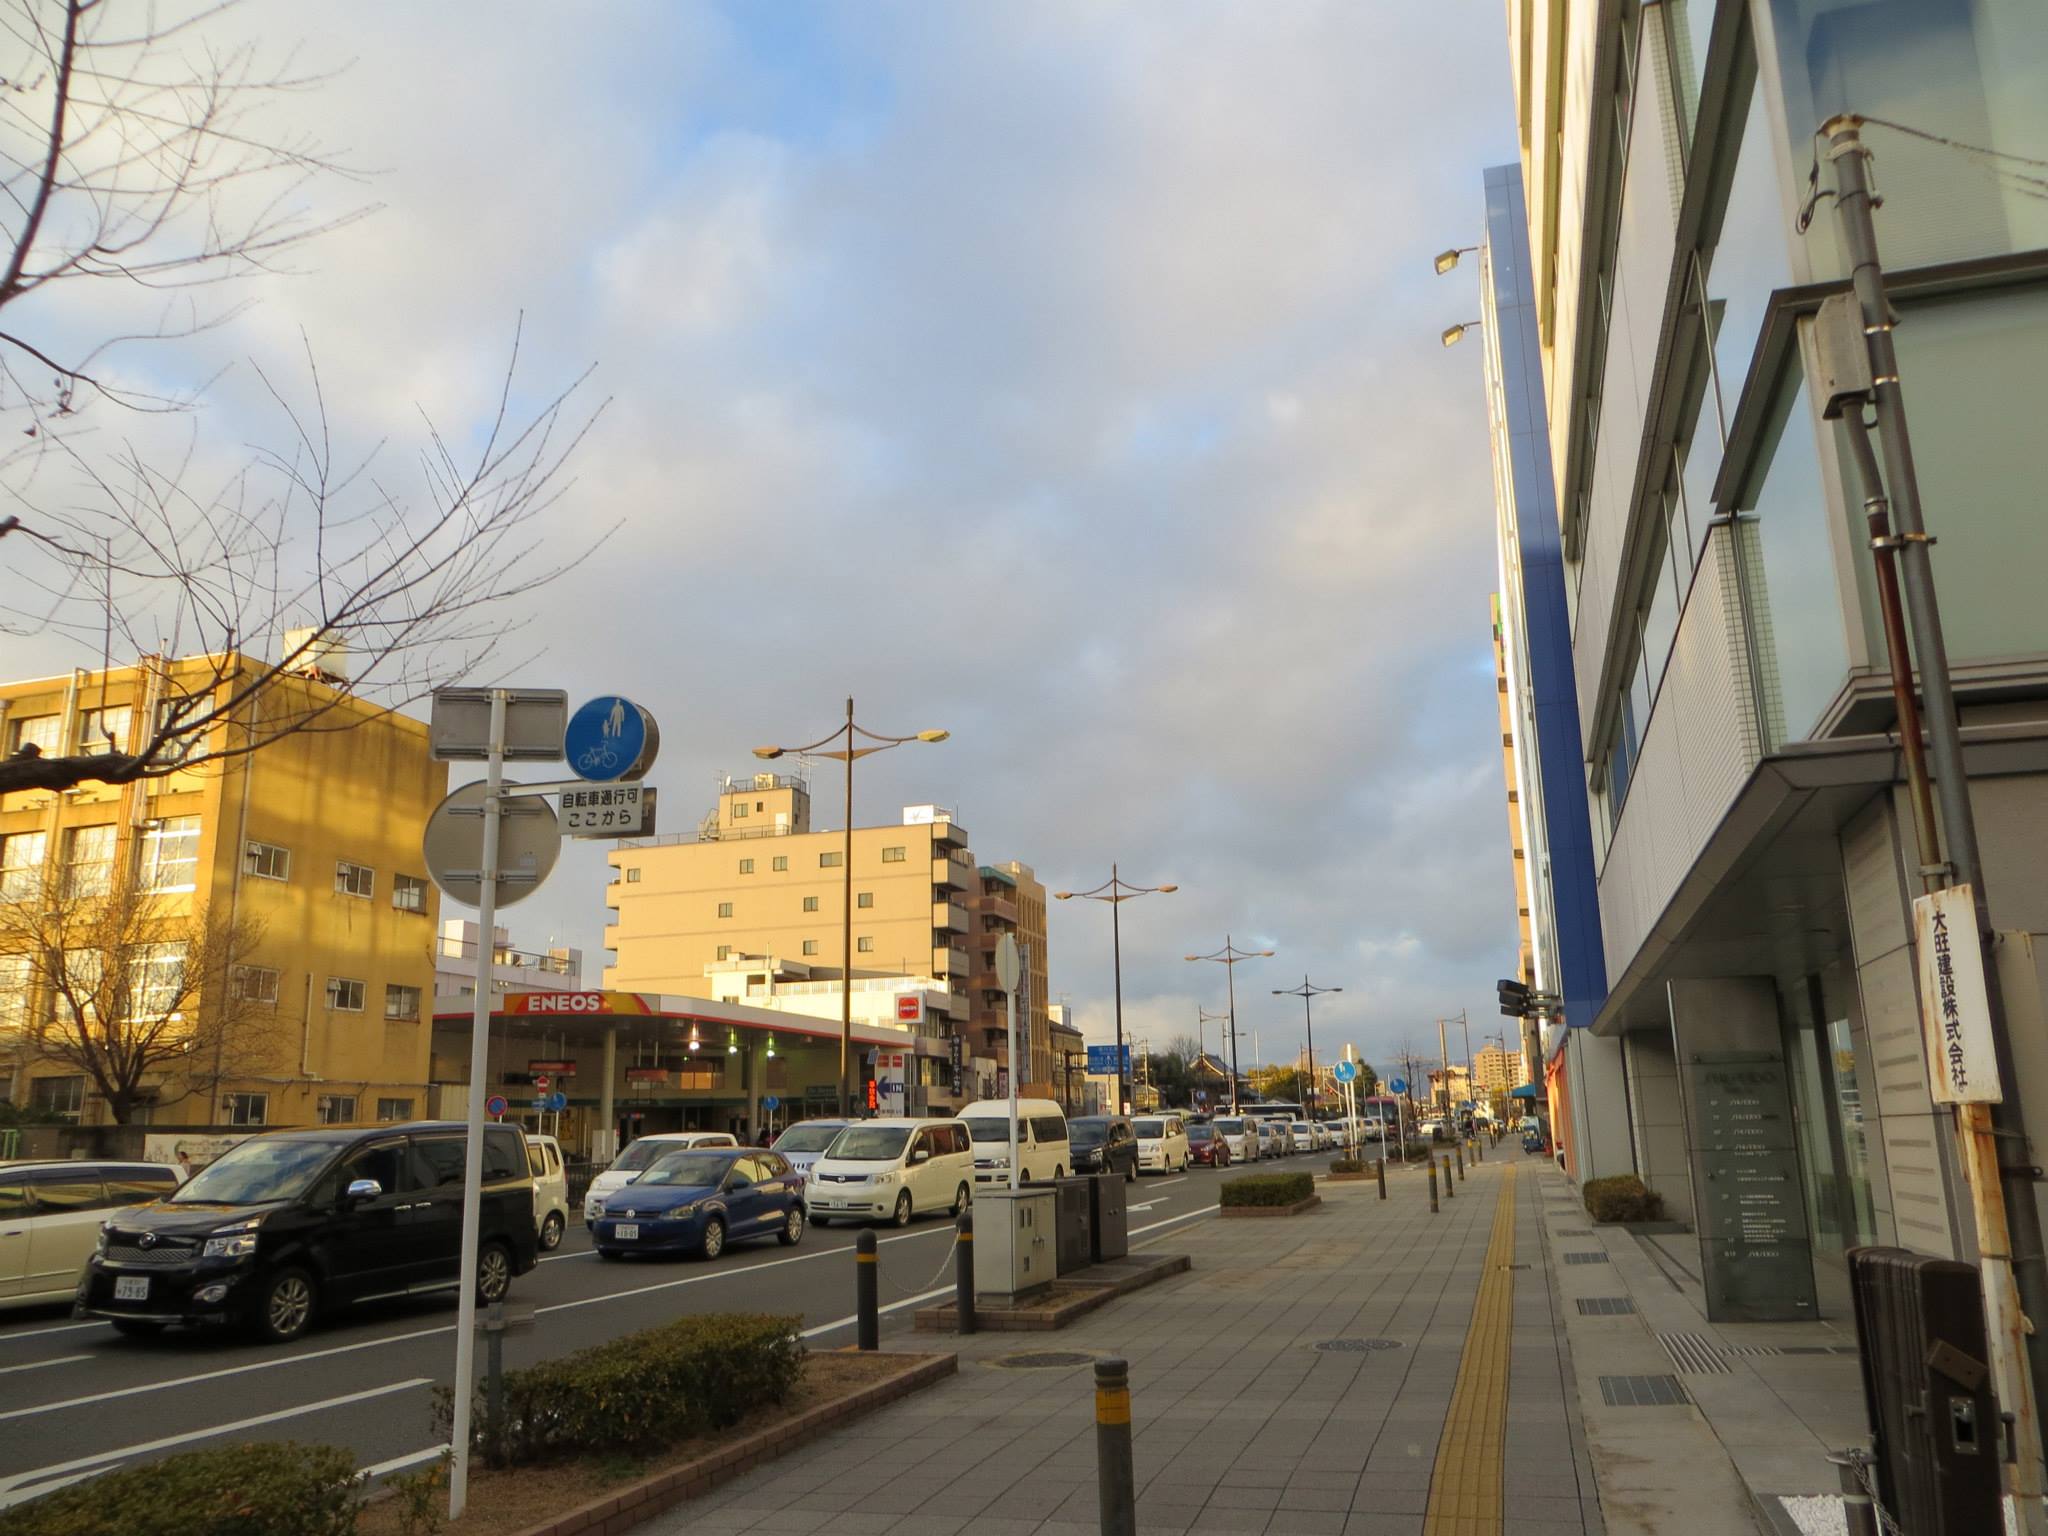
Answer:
(1567, 820)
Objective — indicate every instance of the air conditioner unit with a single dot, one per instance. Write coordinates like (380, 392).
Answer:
(324, 659)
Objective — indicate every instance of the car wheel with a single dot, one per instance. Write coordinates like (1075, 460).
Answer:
(551, 1232)
(713, 1243)
(139, 1327)
(962, 1198)
(493, 1273)
(284, 1306)
(903, 1213)
(1131, 1174)
(792, 1231)
(1059, 1172)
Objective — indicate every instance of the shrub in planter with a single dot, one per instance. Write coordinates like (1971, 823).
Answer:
(1622, 1199)
(1268, 1189)
(642, 1392)
(1347, 1165)
(259, 1488)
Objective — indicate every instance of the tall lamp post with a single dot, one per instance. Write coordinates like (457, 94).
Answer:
(1116, 891)
(849, 754)
(1229, 957)
(1305, 991)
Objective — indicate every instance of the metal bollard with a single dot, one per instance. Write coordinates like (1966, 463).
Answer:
(1381, 1169)
(1450, 1184)
(1859, 1512)
(1432, 1187)
(867, 1326)
(1116, 1483)
(1461, 1162)
(963, 1275)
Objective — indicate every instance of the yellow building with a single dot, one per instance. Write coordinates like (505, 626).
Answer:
(1012, 901)
(310, 846)
(1495, 1071)
(1525, 965)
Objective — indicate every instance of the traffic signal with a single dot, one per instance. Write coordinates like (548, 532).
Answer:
(1514, 998)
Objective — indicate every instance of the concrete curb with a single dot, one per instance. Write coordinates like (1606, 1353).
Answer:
(1233, 1211)
(1071, 1300)
(650, 1496)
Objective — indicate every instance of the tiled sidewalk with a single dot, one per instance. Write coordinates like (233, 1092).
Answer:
(1241, 1423)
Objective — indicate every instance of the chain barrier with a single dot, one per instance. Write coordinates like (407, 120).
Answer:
(1885, 1522)
(944, 1264)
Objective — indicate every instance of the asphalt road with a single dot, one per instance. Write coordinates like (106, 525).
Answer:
(77, 1399)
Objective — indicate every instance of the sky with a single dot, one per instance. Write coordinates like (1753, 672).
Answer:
(1065, 375)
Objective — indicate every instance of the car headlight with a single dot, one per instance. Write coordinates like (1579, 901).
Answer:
(229, 1245)
(100, 1246)
(685, 1212)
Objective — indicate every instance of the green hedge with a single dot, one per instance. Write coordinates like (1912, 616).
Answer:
(1268, 1189)
(258, 1488)
(642, 1392)
(1622, 1199)
(1347, 1165)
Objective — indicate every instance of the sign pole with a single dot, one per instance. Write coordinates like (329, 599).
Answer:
(1007, 971)
(473, 1149)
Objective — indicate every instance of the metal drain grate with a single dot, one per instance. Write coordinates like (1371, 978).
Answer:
(1694, 1353)
(1573, 1232)
(1356, 1346)
(1585, 1258)
(1643, 1392)
(1043, 1360)
(1605, 1306)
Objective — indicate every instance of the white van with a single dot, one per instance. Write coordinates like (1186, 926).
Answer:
(550, 1190)
(891, 1170)
(50, 1215)
(802, 1144)
(640, 1155)
(1162, 1143)
(1042, 1150)
(1242, 1136)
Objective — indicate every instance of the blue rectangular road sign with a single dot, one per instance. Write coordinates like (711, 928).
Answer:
(1102, 1060)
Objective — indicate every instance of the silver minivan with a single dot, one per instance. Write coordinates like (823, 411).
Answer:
(50, 1215)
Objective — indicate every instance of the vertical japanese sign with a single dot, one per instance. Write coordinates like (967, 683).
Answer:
(1962, 1065)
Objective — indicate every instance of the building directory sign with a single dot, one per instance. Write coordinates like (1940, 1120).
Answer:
(1754, 1242)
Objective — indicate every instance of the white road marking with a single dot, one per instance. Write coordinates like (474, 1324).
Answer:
(37, 1365)
(37, 1333)
(23, 1486)
(1169, 1183)
(894, 1306)
(1172, 1220)
(1145, 1207)
(232, 1370)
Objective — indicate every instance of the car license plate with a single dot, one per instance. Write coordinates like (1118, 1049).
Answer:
(626, 1231)
(131, 1288)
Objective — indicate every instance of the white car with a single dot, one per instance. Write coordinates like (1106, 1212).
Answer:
(1241, 1135)
(1043, 1150)
(630, 1163)
(50, 1215)
(1274, 1138)
(1305, 1137)
(803, 1143)
(1162, 1143)
(892, 1170)
(550, 1190)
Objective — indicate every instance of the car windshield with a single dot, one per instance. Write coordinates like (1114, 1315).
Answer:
(1151, 1129)
(258, 1171)
(1303, 1128)
(642, 1153)
(1201, 1133)
(1085, 1133)
(686, 1169)
(869, 1144)
(994, 1130)
(810, 1137)
(1230, 1127)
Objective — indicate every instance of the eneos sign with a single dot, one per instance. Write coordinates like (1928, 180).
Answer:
(572, 1004)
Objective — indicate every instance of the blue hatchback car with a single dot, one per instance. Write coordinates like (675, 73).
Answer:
(699, 1199)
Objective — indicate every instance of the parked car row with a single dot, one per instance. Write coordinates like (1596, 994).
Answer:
(1250, 1137)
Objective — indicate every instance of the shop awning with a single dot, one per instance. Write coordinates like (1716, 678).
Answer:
(1526, 1091)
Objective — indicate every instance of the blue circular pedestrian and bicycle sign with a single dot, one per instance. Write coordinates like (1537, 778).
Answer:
(610, 739)
(1344, 1071)
(771, 1102)
(1397, 1084)
(558, 1101)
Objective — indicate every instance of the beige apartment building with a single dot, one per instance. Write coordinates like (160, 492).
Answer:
(750, 908)
(1496, 1071)
(310, 845)
(1012, 901)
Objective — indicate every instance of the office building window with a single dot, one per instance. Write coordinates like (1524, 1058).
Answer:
(44, 732)
(864, 898)
(89, 860)
(892, 855)
(779, 863)
(746, 866)
(21, 864)
(14, 984)
(810, 903)
(104, 730)
(255, 984)
(831, 860)
(632, 876)
(245, 1108)
(156, 979)
(401, 1002)
(864, 945)
(725, 909)
(170, 854)
(389, 1110)
(63, 1097)
(354, 879)
(810, 946)
(345, 995)
(724, 952)
(335, 1108)
(267, 861)
(409, 893)
(739, 810)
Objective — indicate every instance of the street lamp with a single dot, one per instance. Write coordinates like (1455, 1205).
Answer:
(1306, 991)
(849, 754)
(1116, 891)
(1228, 957)
(1456, 333)
(1448, 259)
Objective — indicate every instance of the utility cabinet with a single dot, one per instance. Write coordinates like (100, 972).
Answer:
(1016, 1247)
(1109, 1223)
(1072, 1212)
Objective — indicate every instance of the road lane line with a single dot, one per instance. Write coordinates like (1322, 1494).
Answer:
(1169, 1183)
(894, 1306)
(1171, 1220)
(231, 1370)
(37, 1333)
(37, 1365)
(670, 1285)
(22, 1486)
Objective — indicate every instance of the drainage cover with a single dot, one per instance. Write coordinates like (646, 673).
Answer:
(1356, 1346)
(1585, 1258)
(1043, 1360)
(1642, 1392)
(1605, 1306)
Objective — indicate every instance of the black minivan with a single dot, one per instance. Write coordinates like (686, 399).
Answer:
(1104, 1144)
(283, 1227)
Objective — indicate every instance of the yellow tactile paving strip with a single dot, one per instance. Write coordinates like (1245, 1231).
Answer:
(1465, 1485)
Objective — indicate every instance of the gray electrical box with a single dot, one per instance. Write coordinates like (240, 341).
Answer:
(1015, 1246)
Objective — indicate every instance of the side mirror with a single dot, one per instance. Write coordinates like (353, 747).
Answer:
(920, 1156)
(363, 1189)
